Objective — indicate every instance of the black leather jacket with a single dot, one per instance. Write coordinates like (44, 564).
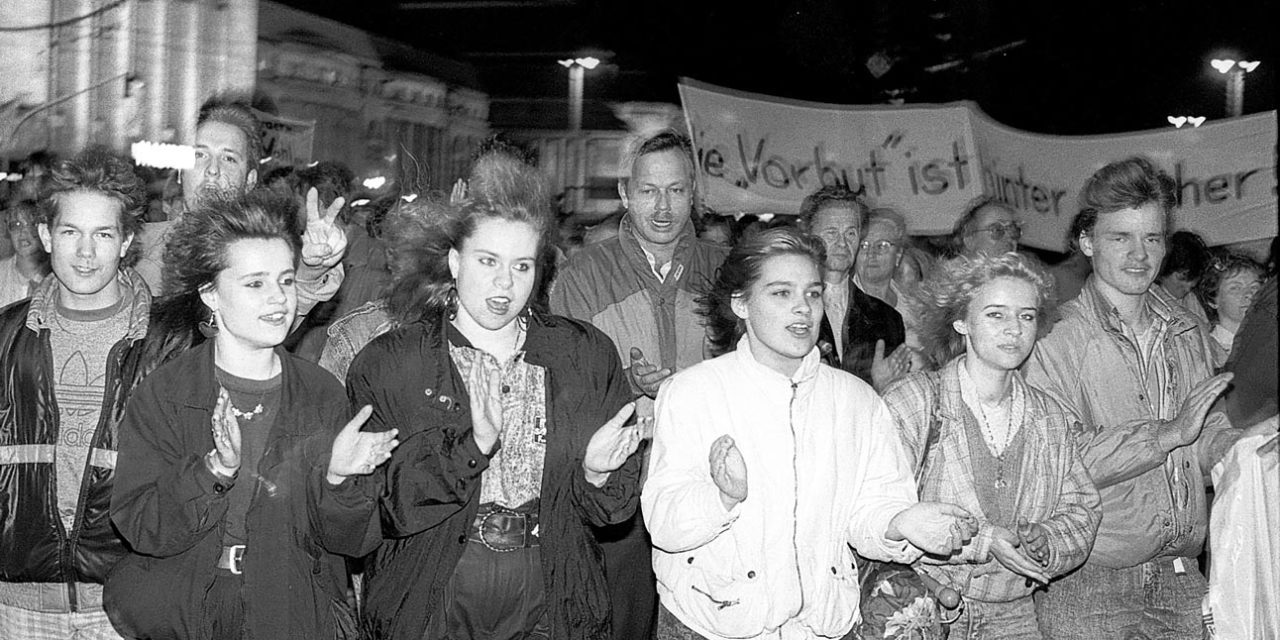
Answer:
(35, 546)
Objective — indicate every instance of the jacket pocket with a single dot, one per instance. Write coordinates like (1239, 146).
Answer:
(834, 590)
(719, 592)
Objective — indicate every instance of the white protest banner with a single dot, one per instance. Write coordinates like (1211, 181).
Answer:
(286, 142)
(758, 154)
(1224, 173)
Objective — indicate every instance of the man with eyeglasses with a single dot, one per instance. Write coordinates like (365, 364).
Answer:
(879, 254)
(857, 329)
(1135, 371)
(988, 226)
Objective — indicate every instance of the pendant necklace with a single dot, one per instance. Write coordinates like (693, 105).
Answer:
(1000, 482)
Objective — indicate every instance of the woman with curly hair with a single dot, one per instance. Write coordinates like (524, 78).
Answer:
(768, 465)
(487, 506)
(978, 436)
(233, 487)
(1226, 290)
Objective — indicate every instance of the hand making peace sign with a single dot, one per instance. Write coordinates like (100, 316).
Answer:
(324, 241)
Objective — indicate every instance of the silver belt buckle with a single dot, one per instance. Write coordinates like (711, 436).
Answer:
(237, 556)
(485, 540)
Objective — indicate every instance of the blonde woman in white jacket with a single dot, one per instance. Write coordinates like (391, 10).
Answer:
(767, 465)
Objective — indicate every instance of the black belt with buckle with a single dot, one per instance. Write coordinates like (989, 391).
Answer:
(504, 530)
(232, 559)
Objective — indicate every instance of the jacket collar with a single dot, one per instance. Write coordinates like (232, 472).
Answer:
(1096, 306)
(544, 341)
(951, 405)
(636, 253)
(45, 300)
(806, 373)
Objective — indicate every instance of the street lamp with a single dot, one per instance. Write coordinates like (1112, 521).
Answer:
(1179, 121)
(1234, 70)
(577, 68)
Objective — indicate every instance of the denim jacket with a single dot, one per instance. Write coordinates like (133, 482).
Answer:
(1153, 502)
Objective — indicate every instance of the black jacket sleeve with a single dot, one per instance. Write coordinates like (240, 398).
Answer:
(343, 517)
(619, 498)
(164, 499)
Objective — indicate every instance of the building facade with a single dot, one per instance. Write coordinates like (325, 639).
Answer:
(82, 72)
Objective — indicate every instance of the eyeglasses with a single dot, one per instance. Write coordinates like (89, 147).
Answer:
(15, 225)
(879, 246)
(1011, 230)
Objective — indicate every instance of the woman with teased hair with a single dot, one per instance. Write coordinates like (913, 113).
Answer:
(978, 436)
(486, 507)
(768, 465)
(232, 487)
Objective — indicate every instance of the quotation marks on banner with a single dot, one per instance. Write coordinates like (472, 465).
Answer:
(893, 140)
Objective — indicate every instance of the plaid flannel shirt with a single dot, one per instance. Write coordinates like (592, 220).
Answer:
(1053, 489)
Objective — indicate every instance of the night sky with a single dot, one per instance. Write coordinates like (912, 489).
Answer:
(1083, 67)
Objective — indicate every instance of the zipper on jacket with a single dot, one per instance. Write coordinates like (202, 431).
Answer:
(71, 538)
(795, 490)
(64, 537)
(1170, 465)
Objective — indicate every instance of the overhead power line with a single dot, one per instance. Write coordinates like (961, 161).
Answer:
(62, 23)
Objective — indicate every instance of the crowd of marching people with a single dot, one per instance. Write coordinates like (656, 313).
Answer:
(266, 407)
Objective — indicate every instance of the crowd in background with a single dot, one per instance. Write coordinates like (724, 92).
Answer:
(333, 413)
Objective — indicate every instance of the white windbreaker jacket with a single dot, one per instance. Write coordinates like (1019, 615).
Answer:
(824, 470)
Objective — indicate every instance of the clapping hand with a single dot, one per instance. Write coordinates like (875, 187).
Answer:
(728, 471)
(1186, 426)
(645, 376)
(324, 241)
(935, 527)
(611, 445)
(486, 407)
(356, 452)
(885, 370)
(226, 435)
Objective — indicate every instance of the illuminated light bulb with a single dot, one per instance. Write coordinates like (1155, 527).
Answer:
(1177, 121)
(163, 156)
(1248, 66)
(375, 182)
(1195, 122)
(1222, 66)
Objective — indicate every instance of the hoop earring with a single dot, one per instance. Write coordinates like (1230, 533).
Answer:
(209, 328)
